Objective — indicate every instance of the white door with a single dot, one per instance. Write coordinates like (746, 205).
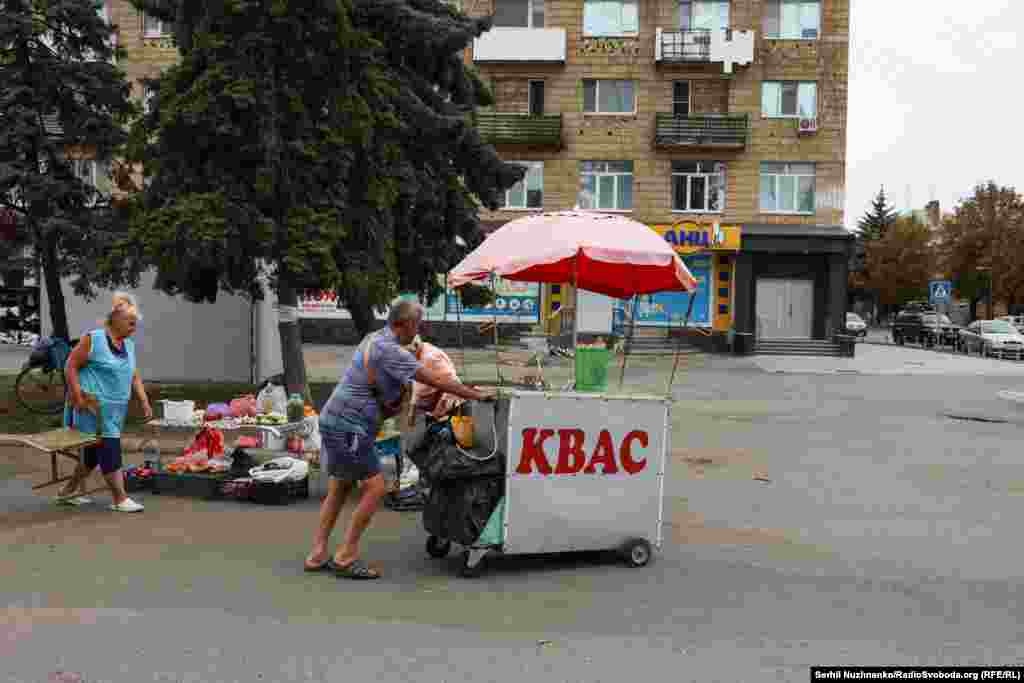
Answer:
(784, 308)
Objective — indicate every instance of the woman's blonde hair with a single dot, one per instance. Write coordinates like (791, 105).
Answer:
(123, 302)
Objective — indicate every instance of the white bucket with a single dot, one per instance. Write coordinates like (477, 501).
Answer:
(178, 411)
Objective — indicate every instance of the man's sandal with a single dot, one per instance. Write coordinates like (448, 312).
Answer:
(356, 570)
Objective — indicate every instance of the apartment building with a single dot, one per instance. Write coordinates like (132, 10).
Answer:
(720, 124)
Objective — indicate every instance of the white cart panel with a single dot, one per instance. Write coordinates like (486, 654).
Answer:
(585, 471)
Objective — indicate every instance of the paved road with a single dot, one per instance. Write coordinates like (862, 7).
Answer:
(886, 534)
(12, 357)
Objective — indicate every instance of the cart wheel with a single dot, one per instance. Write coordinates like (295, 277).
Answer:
(471, 572)
(637, 553)
(438, 548)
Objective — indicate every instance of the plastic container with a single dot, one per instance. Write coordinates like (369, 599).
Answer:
(592, 368)
(296, 408)
(462, 427)
(151, 455)
(387, 451)
(178, 411)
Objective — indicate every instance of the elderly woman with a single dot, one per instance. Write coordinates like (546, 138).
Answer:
(101, 375)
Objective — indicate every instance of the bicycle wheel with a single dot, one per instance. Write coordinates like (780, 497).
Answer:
(40, 390)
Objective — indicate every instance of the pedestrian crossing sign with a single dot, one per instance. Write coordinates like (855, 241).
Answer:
(940, 291)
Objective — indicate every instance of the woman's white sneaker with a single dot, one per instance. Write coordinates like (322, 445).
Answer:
(128, 505)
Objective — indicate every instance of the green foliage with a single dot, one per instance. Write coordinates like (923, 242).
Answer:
(330, 140)
(476, 296)
(876, 221)
(62, 96)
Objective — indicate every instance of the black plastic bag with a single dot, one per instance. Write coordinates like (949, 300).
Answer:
(459, 510)
(439, 458)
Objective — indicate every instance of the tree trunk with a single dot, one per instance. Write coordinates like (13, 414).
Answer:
(54, 293)
(362, 317)
(291, 339)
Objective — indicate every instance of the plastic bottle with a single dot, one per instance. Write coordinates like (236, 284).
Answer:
(151, 455)
(296, 408)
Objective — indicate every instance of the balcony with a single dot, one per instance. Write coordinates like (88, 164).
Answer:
(519, 44)
(703, 46)
(702, 131)
(683, 46)
(498, 128)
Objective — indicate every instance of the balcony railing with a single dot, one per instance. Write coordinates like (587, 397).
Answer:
(686, 46)
(498, 128)
(721, 131)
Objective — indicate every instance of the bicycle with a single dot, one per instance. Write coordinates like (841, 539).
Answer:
(41, 387)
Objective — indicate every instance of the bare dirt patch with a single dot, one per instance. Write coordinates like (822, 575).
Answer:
(689, 528)
(702, 462)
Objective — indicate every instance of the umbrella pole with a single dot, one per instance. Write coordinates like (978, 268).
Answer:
(458, 317)
(686, 323)
(497, 357)
(628, 340)
(575, 315)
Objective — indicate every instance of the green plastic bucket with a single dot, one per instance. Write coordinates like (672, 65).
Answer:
(592, 369)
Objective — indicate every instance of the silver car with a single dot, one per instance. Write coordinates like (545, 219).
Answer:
(992, 338)
(856, 326)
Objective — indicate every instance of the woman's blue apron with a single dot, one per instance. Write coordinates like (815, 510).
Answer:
(108, 377)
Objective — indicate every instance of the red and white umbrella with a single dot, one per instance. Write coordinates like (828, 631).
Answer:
(608, 254)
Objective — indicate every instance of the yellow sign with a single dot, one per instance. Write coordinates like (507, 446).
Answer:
(691, 238)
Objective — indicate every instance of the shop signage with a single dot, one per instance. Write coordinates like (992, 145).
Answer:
(572, 457)
(513, 302)
(690, 238)
(668, 309)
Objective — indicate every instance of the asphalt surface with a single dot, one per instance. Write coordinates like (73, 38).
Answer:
(12, 357)
(886, 533)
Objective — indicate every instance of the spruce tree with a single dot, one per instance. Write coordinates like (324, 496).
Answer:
(321, 144)
(63, 101)
(876, 221)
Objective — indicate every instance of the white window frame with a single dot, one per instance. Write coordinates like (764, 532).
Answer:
(589, 32)
(597, 97)
(536, 167)
(146, 33)
(533, 9)
(786, 36)
(784, 169)
(606, 172)
(706, 170)
(771, 99)
(148, 92)
(686, 21)
(88, 170)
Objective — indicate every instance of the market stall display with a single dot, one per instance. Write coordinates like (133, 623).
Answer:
(559, 471)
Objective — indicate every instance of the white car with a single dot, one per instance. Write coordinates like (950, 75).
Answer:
(992, 338)
(1015, 320)
(855, 325)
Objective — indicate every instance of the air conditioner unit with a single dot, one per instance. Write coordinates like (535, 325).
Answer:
(806, 126)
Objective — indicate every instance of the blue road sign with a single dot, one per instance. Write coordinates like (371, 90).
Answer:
(940, 291)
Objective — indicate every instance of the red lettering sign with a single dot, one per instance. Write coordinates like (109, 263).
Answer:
(572, 454)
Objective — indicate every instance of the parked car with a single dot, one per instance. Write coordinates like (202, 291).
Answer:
(855, 325)
(992, 338)
(1016, 320)
(916, 327)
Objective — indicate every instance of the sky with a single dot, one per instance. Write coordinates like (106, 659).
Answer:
(936, 100)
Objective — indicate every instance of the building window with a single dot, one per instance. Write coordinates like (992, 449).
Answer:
(609, 97)
(698, 186)
(606, 185)
(148, 93)
(153, 27)
(787, 188)
(789, 99)
(95, 174)
(792, 19)
(681, 98)
(703, 15)
(536, 98)
(611, 17)
(519, 13)
(528, 193)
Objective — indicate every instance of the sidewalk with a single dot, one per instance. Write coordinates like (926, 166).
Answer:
(878, 359)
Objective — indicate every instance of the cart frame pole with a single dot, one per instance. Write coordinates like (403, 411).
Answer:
(628, 340)
(686, 323)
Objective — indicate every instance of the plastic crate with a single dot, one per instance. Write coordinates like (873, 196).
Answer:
(134, 483)
(285, 493)
(592, 369)
(192, 485)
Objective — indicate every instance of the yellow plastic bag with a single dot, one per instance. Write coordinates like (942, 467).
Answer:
(462, 427)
